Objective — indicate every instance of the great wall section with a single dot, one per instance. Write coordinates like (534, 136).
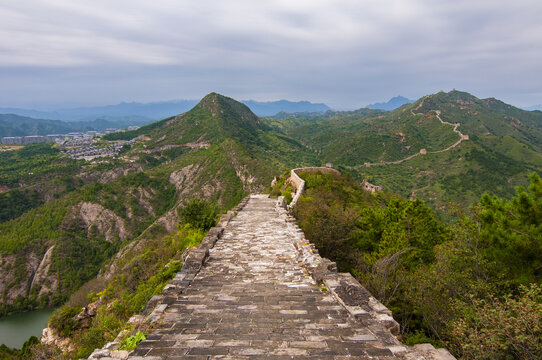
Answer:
(462, 137)
(257, 289)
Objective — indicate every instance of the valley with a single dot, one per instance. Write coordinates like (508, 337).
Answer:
(110, 231)
(424, 149)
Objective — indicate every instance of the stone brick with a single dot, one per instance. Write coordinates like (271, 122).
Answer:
(251, 292)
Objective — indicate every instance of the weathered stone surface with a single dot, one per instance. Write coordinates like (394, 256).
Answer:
(100, 353)
(353, 295)
(255, 297)
(119, 354)
(252, 291)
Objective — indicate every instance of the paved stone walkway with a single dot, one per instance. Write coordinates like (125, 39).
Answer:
(253, 299)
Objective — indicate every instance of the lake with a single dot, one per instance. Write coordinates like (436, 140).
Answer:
(16, 329)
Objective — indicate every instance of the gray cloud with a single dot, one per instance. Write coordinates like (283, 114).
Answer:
(345, 52)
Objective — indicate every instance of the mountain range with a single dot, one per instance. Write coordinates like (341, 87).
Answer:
(16, 125)
(391, 104)
(505, 144)
(69, 228)
(22, 122)
(157, 110)
(534, 108)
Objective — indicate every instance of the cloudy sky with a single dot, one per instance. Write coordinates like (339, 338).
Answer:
(346, 53)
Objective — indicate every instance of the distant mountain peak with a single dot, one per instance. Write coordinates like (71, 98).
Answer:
(534, 108)
(270, 108)
(391, 104)
(210, 102)
(214, 101)
(218, 104)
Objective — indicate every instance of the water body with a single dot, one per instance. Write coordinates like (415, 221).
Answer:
(16, 329)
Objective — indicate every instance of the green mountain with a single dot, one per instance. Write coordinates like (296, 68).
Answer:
(419, 151)
(15, 125)
(63, 226)
(112, 231)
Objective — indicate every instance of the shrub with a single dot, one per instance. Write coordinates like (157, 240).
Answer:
(131, 342)
(507, 328)
(199, 213)
(275, 192)
(63, 321)
(287, 196)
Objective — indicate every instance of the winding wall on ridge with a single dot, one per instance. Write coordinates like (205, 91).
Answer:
(299, 184)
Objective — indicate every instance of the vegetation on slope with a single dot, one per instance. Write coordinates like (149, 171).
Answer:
(15, 125)
(487, 117)
(51, 245)
(457, 177)
(354, 138)
(141, 271)
(221, 151)
(125, 209)
(504, 146)
(33, 163)
(472, 285)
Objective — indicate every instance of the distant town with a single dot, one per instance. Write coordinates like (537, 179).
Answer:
(70, 139)
(77, 145)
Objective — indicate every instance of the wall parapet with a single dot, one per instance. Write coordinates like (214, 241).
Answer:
(353, 296)
(299, 184)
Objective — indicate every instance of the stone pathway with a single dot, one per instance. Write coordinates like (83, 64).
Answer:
(253, 300)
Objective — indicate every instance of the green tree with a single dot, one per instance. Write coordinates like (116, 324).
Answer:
(511, 233)
(199, 213)
(401, 226)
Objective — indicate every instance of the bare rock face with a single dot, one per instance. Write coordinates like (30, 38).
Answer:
(50, 338)
(7, 269)
(48, 283)
(169, 220)
(246, 178)
(111, 175)
(143, 196)
(183, 179)
(84, 318)
(105, 221)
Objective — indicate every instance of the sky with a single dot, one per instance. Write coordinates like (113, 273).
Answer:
(345, 53)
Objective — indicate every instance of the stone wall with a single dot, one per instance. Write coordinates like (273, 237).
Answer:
(367, 186)
(299, 184)
(357, 300)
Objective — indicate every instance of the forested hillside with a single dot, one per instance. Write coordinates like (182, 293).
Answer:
(417, 150)
(110, 231)
(63, 219)
(473, 286)
(15, 125)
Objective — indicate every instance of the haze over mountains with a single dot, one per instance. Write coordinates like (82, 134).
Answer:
(63, 220)
(392, 104)
(158, 110)
(535, 107)
(24, 122)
